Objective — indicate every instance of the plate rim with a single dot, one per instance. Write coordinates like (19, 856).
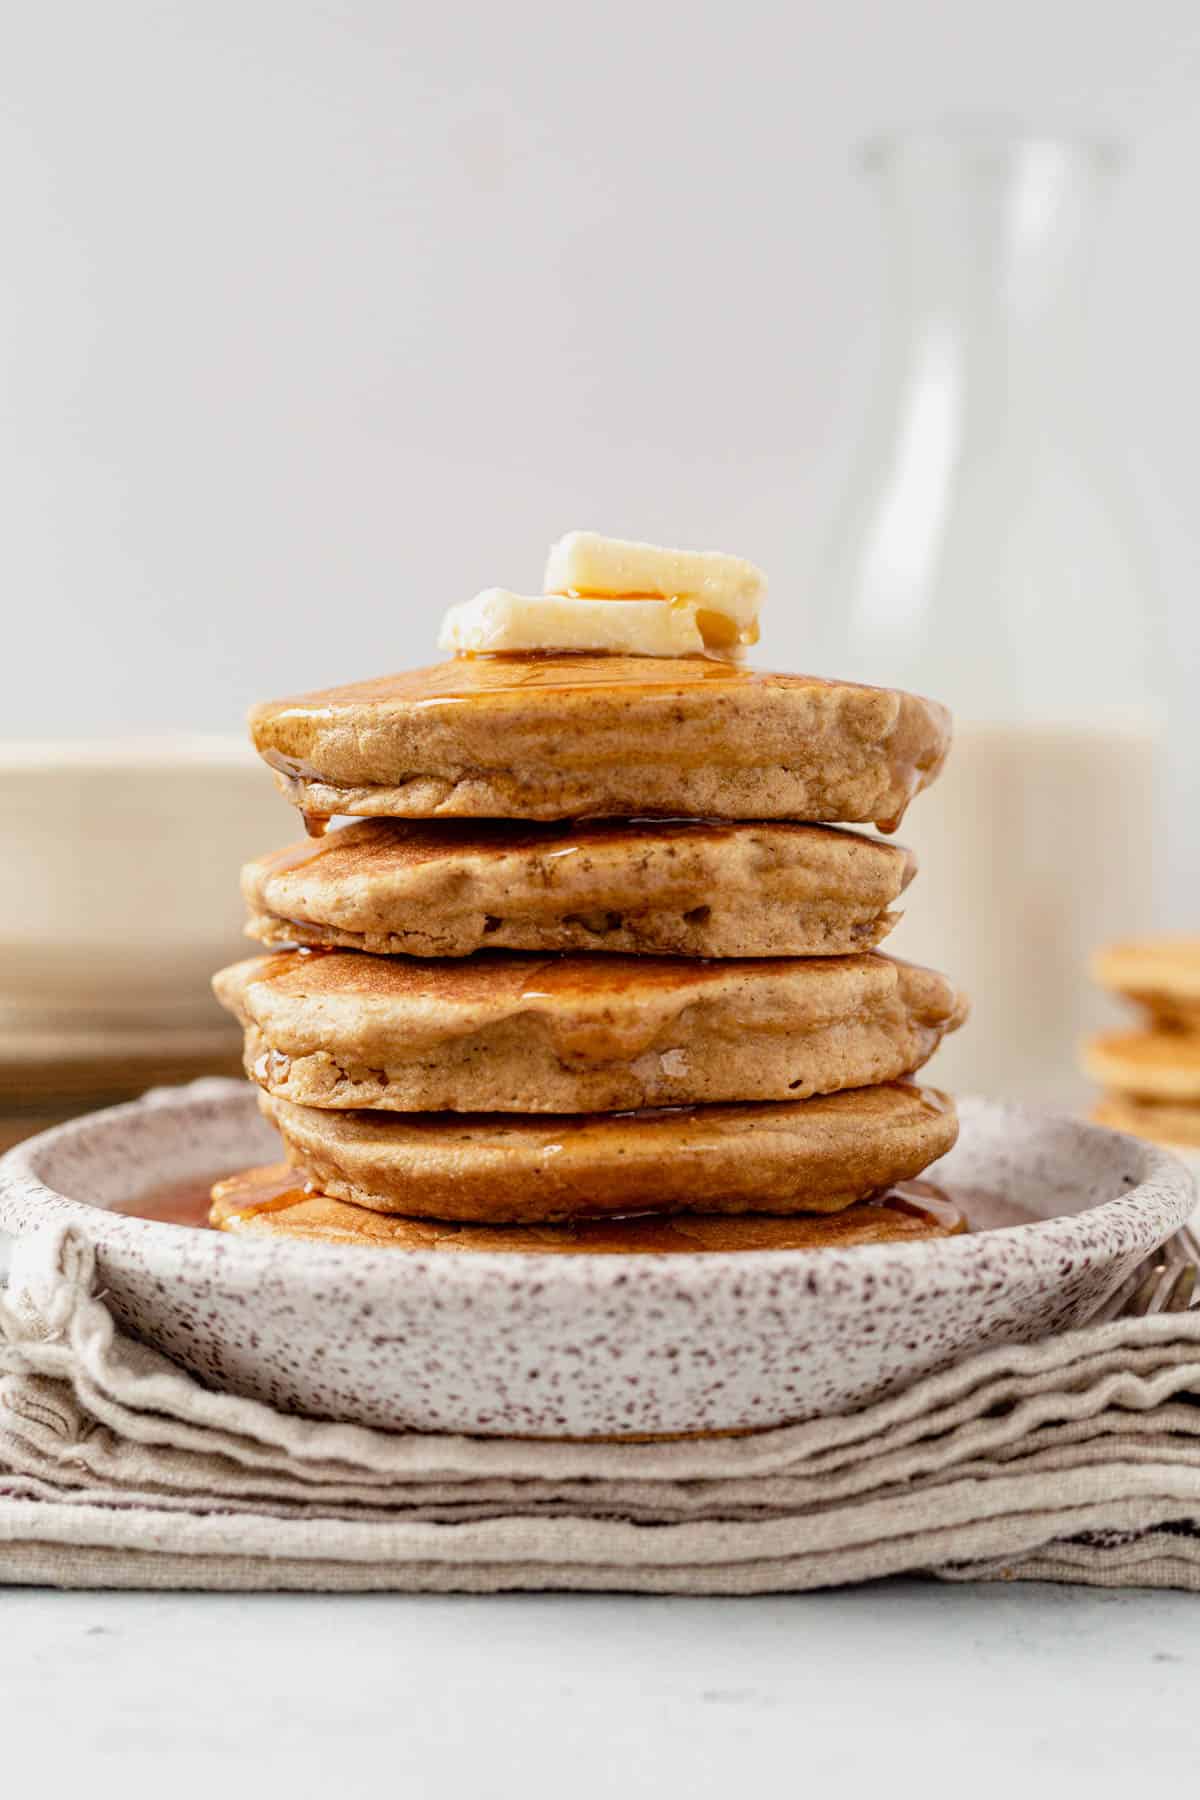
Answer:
(1116, 1225)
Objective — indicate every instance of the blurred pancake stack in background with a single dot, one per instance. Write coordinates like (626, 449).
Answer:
(1151, 1073)
(593, 951)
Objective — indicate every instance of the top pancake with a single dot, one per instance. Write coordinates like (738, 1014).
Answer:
(683, 887)
(555, 737)
(1160, 974)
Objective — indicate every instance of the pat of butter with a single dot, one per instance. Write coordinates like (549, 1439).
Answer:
(726, 590)
(498, 620)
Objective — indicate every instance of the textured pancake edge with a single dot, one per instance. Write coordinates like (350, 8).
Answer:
(833, 1164)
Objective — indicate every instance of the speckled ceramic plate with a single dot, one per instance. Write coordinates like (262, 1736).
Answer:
(591, 1346)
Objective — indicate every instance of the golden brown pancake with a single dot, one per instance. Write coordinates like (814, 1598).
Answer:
(817, 1155)
(501, 1032)
(266, 1202)
(1162, 975)
(1177, 1125)
(684, 888)
(1157, 1065)
(556, 737)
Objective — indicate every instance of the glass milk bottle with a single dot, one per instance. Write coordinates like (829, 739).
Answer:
(985, 557)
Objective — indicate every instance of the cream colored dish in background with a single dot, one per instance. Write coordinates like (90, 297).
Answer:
(115, 894)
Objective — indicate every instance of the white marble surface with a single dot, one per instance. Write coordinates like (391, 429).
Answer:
(973, 1690)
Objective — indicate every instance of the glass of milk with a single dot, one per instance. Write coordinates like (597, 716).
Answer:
(986, 556)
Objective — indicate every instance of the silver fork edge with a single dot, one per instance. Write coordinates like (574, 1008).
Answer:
(1164, 1281)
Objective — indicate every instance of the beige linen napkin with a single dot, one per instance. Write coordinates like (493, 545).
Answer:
(1077, 1460)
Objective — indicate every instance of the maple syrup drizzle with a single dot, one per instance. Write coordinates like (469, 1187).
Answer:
(273, 1188)
(925, 1200)
(295, 856)
(184, 1202)
(536, 670)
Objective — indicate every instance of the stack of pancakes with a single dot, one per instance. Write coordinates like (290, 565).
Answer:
(1151, 1074)
(591, 961)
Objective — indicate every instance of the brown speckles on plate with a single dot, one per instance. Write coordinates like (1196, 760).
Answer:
(594, 1346)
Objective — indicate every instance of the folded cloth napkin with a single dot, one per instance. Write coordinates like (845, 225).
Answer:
(1077, 1459)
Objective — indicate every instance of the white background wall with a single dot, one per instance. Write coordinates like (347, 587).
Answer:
(315, 317)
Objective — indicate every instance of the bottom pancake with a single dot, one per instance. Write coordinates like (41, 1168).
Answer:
(815, 1155)
(269, 1202)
